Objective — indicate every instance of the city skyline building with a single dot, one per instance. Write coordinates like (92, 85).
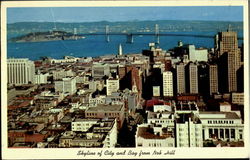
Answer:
(193, 78)
(200, 54)
(112, 85)
(20, 71)
(229, 55)
(181, 81)
(66, 85)
(213, 78)
(159, 98)
(168, 84)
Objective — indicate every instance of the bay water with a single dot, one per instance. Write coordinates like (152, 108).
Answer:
(97, 46)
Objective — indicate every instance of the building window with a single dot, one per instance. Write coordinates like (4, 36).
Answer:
(210, 132)
(221, 133)
(226, 133)
(241, 136)
(233, 133)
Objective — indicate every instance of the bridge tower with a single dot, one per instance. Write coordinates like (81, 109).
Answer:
(130, 38)
(107, 33)
(75, 33)
(157, 34)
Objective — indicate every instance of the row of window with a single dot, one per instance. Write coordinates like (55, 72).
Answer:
(106, 114)
(162, 121)
(220, 122)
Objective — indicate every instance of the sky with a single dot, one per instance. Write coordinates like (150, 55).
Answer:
(113, 14)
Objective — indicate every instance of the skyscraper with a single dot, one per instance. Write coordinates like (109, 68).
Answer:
(193, 78)
(20, 71)
(213, 78)
(180, 74)
(168, 83)
(228, 44)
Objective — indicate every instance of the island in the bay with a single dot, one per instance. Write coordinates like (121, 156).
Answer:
(46, 36)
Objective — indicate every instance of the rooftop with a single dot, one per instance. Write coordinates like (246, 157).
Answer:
(147, 133)
(104, 107)
(217, 114)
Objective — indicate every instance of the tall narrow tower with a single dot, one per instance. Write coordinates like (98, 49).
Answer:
(157, 32)
(107, 33)
(229, 55)
(180, 73)
(120, 50)
(75, 33)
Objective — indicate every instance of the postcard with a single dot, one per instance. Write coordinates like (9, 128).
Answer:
(124, 79)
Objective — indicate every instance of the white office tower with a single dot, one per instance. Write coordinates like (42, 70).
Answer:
(20, 71)
(200, 54)
(41, 78)
(181, 85)
(112, 85)
(120, 50)
(168, 83)
(188, 131)
(66, 85)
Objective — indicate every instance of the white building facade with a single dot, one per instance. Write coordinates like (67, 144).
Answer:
(20, 71)
(41, 78)
(112, 86)
(66, 85)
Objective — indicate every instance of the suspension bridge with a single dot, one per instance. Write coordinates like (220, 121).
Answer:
(130, 36)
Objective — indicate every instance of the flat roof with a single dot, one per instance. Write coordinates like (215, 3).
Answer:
(227, 115)
(82, 120)
(147, 133)
(104, 107)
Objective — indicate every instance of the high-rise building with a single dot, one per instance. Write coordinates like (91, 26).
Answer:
(168, 83)
(193, 78)
(20, 71)
(180, 74)
(66, 85)
(188, 131)
(112, 85)
(228, 44)
(213, 78)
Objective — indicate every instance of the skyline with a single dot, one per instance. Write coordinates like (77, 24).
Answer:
(116, 14)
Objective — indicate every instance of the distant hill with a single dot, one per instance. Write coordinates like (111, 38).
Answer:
(128, 26)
